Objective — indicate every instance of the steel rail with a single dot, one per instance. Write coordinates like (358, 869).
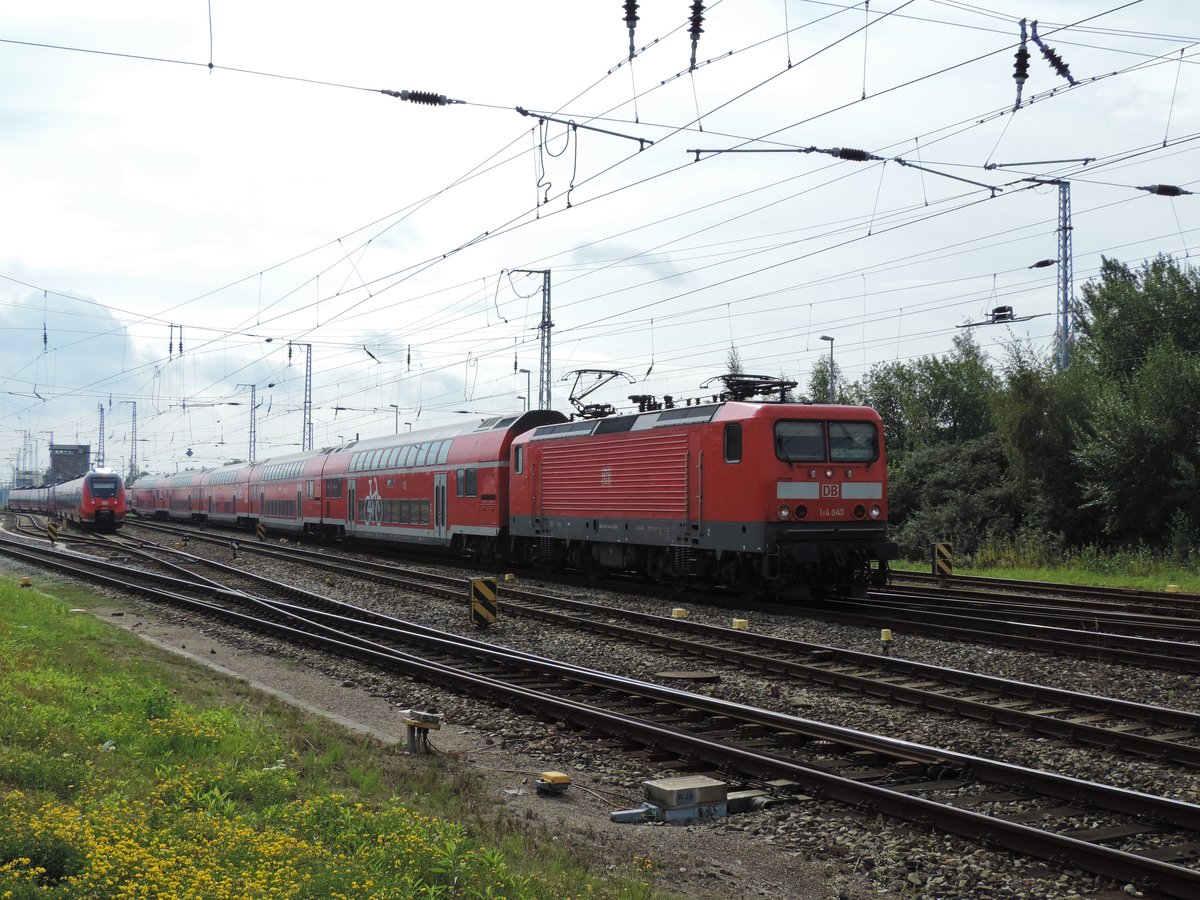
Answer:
(1177, 656)
(1002, 708)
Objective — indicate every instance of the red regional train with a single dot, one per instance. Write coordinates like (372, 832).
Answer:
(764, 497)
(95, 501)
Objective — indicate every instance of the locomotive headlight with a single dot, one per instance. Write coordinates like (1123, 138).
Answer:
(801, 511)
(829, 473)
(784, 512)
(876, 512)
(859, 511)
(849, 473)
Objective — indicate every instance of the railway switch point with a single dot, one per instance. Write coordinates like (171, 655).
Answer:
(418, 724)
(551, 784)
(750, 801)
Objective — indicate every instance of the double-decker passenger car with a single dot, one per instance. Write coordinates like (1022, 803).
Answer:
(777, 497)
(443, 487)
(95, 500)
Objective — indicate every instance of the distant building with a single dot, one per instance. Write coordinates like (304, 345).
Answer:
(69, 461)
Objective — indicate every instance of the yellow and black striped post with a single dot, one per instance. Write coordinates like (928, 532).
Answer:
(943, 560)
(483, 602)
(52, 531)
(261, 529)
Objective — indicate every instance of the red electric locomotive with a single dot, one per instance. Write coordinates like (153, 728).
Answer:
(774, 498)
(95, 501)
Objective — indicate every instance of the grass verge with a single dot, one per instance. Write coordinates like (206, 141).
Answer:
(126, 773)
(1139, 573)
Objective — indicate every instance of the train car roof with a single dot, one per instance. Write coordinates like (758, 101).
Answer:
(696, 414)
(470, 441)
(520, 421)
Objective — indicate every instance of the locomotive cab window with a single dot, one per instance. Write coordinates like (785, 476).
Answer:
(519, 460)
(853, 442)
(800, 441)
(733, 442)
(104, 487)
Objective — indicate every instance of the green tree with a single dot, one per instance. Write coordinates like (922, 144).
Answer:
(1124, 314)
(1039, 415)
(947, 470)
(1139, 453)
(818, 381)
(957, 492)
(1141, 457)
(887, 389)
(733, 362)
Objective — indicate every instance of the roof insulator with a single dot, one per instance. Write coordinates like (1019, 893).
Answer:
(697, 19)
(428, 98)
(1053, 58)
(631, 20)
(1021, 66)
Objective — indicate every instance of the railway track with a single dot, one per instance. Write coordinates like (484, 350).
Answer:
(1146, 641)
(1105, 830)
(980, 586)
(1154, 731)
(1014, 631)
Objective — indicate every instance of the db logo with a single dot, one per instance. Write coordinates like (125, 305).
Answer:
(606, 476)
(831, 491)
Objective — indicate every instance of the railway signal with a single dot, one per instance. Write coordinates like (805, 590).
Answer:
(943, 561)
(483, 602)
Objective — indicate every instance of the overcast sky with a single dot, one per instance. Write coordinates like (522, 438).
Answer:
(279, 199)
